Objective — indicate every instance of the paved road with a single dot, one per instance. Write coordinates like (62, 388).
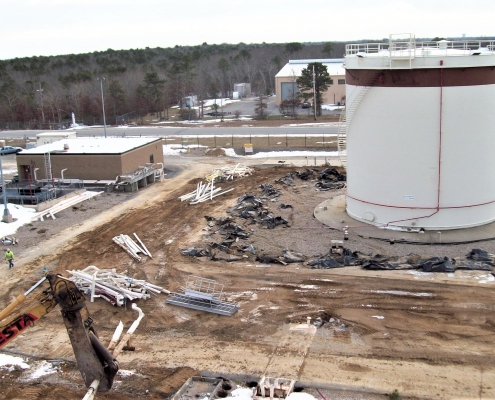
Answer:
(200, 131)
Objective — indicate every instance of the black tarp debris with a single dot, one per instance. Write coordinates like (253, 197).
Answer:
(328, 179)
(269, 191)
(195, 252)
(329, 185)
(437, 264)
(271, 221)
(472, 261)
(481, 256)
(284, 206)
(306, 175)
(287, 179)
(331, 174)
(285, 258)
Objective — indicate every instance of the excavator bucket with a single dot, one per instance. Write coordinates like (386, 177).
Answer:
(93, 360)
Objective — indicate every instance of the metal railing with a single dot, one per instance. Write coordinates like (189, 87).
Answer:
(462, 46)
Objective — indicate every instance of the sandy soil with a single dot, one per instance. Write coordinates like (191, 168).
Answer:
(426, 335)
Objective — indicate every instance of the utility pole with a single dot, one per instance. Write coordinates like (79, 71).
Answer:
(7, 216)
(103, 105)
(41, 96)
(221, 106)
(314, 91)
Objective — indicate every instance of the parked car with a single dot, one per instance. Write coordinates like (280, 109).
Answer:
(306, 104)
(10, 150)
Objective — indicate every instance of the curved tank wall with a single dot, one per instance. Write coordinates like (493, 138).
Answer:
(421, 141)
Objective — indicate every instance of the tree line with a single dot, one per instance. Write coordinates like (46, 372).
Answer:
(35, 91)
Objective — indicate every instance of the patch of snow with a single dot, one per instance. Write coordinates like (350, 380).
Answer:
(486, 278)
(22, 215)
(43, 368)
(6, 360)
(310, 124)
(331, 107)
(401, 293)
(300, 396)
(241, 394)
(378, 316)
(124, 373)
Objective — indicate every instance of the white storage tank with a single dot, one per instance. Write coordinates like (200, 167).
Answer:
(420, 126)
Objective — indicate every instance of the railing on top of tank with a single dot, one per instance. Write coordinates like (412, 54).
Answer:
(468, 46)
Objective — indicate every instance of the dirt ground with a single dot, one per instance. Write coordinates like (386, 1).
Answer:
(426, 335)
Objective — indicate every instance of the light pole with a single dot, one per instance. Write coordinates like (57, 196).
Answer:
(7, 216)
(41, 96)
(221, 106)
(314, 91)
(103, 105)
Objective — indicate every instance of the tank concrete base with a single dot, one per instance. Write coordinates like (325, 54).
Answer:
(332, 213)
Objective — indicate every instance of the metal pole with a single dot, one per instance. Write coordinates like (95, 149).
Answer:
(314, 91)
(103, 106)
(41, 95)
(7, 217)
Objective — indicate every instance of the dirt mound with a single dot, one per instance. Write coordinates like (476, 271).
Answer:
(216, 152)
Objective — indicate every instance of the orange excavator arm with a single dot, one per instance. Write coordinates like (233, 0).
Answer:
(94, 361)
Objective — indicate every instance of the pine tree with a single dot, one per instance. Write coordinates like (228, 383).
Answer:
(321, 81)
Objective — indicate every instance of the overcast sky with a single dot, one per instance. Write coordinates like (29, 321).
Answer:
(55, 27)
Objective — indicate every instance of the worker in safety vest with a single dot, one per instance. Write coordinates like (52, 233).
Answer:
(9, 256)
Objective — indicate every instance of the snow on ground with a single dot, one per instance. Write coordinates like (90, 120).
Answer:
(300, 396)
(176, 149)
(6, 360)
(207, 121)
(40, 369)
(12, 171)
(23, 215)
(310, 124)
(402, 293)
(331, 107)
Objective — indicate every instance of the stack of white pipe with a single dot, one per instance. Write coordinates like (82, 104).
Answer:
(227, 172)
(203, 193)
(65, 204)
(131, 247)
(119, 286)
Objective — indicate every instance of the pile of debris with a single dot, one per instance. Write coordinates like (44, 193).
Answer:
(115, 288)
(131, 247)
(208, 191)
(476, 259)
(328, 179)
(9, 241)
(227, 173)
(249, 208)
(203, 193)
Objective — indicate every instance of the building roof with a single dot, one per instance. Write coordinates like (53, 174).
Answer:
(295, 67)
(92, 146)
(56, 134)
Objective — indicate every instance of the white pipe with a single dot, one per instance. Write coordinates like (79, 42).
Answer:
(36, 169)
(129, 333)
(116, 336)
(62, 173)
(93, 287)
(90, 394)
(135, 324)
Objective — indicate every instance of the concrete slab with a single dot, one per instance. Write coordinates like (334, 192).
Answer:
(332, 213)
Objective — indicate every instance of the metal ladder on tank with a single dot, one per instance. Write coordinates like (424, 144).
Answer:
(48, 167)
(346, 118)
